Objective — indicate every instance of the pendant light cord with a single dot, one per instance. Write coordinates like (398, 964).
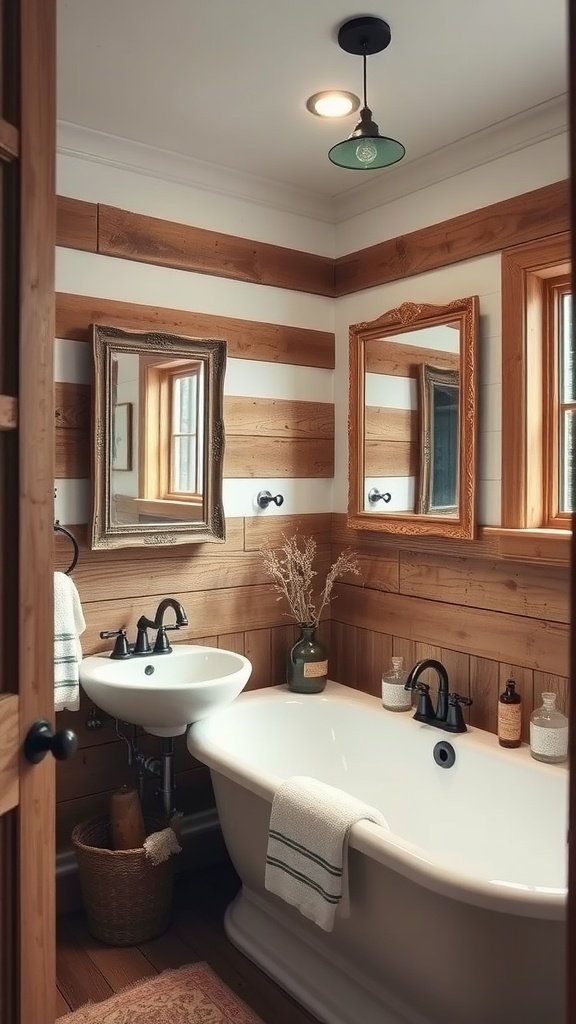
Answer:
(364, 59)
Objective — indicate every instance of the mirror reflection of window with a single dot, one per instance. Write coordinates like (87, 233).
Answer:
(439, 470)
(172, 395)
(185, 443)
(444, 455)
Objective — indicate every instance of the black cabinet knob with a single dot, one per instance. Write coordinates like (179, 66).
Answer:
(41, 739)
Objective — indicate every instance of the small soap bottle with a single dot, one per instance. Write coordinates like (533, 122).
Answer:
(394, 696)
(509, 716)
(549, 732)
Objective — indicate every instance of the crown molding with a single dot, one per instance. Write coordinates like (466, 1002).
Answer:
(537, 124)
(100, 147)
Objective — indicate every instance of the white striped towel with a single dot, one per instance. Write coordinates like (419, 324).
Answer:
(68, 624)
(306, 859)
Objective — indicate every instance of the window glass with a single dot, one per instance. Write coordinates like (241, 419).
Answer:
(184, 440)
(567, 403)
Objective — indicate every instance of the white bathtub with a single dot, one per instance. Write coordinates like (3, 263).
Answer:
(457, 911)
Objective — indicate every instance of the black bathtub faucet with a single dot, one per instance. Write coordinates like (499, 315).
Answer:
(448, 714)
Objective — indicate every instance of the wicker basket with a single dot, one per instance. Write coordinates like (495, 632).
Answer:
(127, 899)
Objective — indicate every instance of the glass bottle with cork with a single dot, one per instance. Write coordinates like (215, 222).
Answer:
(509, 716)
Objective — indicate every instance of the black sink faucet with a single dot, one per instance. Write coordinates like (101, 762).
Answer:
(448, 714)
(142, 645)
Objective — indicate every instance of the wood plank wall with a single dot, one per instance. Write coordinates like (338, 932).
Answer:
(486, 616)
(490, 229)
(487, 619)
(226, 594)
(264, 437)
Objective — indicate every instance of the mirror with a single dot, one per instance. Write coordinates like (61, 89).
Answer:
(158, 438)
(413, 420)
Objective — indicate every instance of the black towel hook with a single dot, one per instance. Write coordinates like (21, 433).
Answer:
(62, 529)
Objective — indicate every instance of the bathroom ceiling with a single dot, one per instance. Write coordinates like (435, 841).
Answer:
(225, 82)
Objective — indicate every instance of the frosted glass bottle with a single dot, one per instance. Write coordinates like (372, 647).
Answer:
(549, 732)
(394, 696)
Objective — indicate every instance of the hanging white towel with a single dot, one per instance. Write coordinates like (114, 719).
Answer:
(306, 859)
(68, 625)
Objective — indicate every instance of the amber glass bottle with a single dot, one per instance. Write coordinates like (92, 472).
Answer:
(509, 716)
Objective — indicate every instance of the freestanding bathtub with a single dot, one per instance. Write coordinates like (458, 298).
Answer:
(457, 911)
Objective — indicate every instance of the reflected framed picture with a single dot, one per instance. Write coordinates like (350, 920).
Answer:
(122, 437)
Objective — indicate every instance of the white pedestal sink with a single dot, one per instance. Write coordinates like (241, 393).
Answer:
(164, 693)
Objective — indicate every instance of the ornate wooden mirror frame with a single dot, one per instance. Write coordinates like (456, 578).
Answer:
(410, 316)
(150, 509)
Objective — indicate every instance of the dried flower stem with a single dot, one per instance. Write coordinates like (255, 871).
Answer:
(291, 570)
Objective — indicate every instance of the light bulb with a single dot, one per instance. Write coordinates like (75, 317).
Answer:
(366, 151)
(332, 104)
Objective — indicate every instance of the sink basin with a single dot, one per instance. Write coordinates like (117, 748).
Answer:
(164, 693)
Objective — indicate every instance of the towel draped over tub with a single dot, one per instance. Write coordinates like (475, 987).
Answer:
(306, 860)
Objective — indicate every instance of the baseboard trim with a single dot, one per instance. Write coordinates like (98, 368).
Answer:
(202, 845)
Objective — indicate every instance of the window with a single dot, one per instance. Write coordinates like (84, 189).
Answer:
(173, 397)
(538, 385)
(559, 403)
(183, 420)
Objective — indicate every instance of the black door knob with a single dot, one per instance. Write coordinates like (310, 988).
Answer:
(41, 738)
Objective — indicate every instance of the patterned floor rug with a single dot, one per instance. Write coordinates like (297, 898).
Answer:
(189, 995)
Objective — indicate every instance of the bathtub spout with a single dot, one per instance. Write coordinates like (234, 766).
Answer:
(448, 714)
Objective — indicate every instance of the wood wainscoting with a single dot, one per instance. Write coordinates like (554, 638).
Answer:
(486, 618)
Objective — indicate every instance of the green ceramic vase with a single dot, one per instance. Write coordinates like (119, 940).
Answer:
(307, 664)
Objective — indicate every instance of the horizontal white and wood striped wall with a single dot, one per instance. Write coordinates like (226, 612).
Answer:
(279, 423)
(285, 404)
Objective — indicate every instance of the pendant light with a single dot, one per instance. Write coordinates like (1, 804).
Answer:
(365, 149)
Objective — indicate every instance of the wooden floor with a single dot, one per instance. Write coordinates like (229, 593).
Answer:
(87, 970)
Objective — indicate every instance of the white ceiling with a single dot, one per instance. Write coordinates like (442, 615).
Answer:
(226, 81)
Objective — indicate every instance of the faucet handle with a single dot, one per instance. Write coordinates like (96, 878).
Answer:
(162, 645)
(455, 698)
(454, 718)
(121, 648)
(425, 710)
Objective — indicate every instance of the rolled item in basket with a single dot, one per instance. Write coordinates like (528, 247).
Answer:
(127, 828)
(161, 845)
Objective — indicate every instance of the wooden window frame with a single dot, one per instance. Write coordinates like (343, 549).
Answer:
(555, 288)
(167, 433)
(155, 424)
(526, 378)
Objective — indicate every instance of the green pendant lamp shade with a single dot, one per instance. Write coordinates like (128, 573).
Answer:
(365, 149)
